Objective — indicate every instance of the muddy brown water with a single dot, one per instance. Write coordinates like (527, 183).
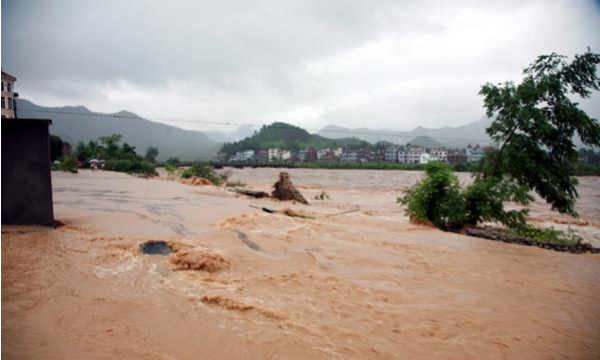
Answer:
(362, 285)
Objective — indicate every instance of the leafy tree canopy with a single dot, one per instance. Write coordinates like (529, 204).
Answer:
(56, 147)
(151, 154)
(536, 122)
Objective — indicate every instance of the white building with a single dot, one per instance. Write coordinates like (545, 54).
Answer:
(349, 157)
(439, 155)
(286, 154)
(411, 155)
(247, 155)
(322, 153)
(425, 158)
(274, 154)
(474, 153)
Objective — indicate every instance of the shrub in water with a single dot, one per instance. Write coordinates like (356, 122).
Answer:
(204, 171)
(131, 167)
(69, 164)
(437, 198)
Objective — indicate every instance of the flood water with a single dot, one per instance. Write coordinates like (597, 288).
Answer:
(353, 281)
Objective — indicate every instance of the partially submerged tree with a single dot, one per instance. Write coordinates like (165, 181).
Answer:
(536, 122)
(534, 125)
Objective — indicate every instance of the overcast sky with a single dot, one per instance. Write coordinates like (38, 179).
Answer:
(355, 63)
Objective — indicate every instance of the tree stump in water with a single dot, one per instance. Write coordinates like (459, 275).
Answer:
(285, 190)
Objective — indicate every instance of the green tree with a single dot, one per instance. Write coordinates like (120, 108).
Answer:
(151, 154)
(534, 126)
(128, 152)
(56, 147)
(110, 150)
(69, 164)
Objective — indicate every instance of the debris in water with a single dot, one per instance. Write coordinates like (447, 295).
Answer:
(251, 244)
(286, 191)
(252, 193)
(154, 247)
(294, 213)
(189, 260)
(225, 302)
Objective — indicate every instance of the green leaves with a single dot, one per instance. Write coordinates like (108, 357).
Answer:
(535, 123)
(437, 198)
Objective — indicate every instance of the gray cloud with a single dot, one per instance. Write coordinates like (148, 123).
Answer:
(385, 64)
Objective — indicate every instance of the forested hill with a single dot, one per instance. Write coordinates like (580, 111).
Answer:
(285, 136)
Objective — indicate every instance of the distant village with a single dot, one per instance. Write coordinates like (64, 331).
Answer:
(391, 154)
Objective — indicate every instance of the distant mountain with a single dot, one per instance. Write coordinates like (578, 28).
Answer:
(460, 136)
(77, 123)
(426, 142)
(236, 135)
(285, 136)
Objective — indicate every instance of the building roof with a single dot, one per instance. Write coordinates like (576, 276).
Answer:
(8, 76)
(26, 121)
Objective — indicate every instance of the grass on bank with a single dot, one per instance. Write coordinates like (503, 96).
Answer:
(546, 235)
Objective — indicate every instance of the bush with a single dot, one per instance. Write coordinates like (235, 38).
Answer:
(131, 167)
(437, 198)
(204, 171)
(69, 164)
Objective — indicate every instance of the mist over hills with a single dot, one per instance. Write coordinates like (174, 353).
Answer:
(76, 123)
(451, 137)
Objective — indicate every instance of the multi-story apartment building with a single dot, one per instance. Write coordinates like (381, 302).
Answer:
(391, 154)
(247, 155)
(457, 157)
(9, 96)
(439, 154)
(274, 154)
(410, 155)
(474, 153)
(350, 156)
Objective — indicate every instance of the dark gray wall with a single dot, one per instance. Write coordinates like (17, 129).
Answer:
(26, 179)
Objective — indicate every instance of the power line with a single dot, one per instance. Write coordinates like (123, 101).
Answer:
(204, 122)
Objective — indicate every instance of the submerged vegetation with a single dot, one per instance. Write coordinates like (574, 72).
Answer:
(548, 235)
(69, 164)
(534, 126)
(205, 171)
(437, 198)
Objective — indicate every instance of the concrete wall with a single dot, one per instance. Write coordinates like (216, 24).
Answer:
(26, 180)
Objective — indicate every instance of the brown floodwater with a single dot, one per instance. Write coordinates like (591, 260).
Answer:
(354, 281)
